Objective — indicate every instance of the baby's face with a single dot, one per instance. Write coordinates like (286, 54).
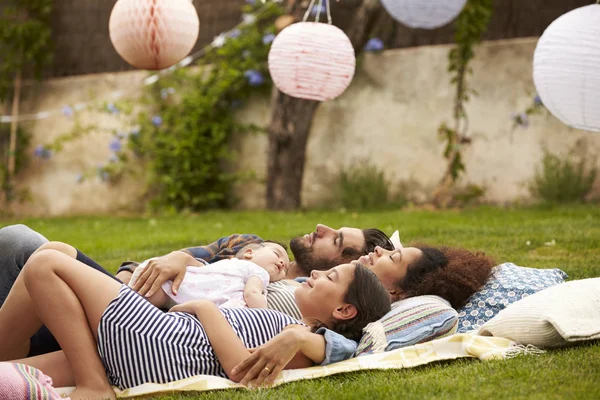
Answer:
(272, 258)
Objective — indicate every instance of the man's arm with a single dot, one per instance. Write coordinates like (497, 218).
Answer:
(173, 265)
(225, 247)
(253, 293)
(227, 345)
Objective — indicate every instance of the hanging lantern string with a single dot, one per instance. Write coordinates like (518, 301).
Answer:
(318, 14)
(307, 13)
(150, 80)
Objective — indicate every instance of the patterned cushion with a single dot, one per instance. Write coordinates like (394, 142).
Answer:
(508, 283)
(411, 321)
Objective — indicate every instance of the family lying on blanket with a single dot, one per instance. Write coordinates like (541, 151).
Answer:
(64, 314)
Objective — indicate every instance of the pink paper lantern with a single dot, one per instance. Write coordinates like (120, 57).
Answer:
(311, 60)
(153, 34)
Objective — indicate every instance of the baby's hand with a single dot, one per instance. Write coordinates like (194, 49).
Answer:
(189, 307)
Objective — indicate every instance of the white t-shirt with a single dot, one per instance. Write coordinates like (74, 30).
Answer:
(222, 282)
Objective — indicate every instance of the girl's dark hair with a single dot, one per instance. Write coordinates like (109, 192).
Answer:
(452, 274)
(371, 299)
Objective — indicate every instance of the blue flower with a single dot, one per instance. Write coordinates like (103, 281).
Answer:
(115, 145)
(235, 33)
(537, 100)
(319, 8)
(113, 158)
(135, 131)
(374, 44)
(79, 178)
(524, 120)
(112, 108)
(68, 111)
(268, 38)
(157, 120)
(42, 152)
(255, 78)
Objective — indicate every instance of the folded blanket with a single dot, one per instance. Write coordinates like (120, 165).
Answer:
(447, 348)
(19, 381)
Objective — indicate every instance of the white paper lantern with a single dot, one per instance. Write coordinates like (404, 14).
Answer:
(153, 34)
(312, 60)
(427, 14)
(566, 68)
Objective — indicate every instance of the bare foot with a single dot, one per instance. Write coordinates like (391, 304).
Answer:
(92, 394)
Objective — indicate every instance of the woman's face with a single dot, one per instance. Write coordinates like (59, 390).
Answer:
(322, 295)
(390, 266)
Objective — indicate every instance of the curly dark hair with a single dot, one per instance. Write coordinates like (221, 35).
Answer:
(450, 273)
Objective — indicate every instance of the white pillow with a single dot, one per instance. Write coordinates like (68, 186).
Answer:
(562, 314)
(395, 239)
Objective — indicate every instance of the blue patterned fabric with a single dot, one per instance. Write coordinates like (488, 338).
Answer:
(508, 283)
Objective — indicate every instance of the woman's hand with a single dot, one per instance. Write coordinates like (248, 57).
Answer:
(267, 361)
(170, 267)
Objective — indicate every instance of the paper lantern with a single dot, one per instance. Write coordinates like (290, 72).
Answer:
(566, 68)
(153, 34)
(312, 60)
(427, 14)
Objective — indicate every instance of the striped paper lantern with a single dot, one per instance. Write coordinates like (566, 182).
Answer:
(311, 60)
(427, 14)
(153, 34)
(566, 68)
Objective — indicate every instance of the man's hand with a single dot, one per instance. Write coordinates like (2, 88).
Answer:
(267, 361)
(169, 267)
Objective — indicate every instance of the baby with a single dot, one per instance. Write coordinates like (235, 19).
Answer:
(233, 283)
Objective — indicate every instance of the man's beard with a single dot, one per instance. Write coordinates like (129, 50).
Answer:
(306, 260)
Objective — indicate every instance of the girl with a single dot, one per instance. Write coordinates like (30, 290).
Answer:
(112, 336)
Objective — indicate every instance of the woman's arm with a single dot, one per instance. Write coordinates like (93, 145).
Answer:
(290, 349)
(227, 345)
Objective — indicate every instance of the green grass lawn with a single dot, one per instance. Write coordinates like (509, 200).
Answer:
(540, 237)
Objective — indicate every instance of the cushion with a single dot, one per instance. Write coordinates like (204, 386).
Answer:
(20, 381)
(395, 239)
(556, 316)
(411, 321)
(508, 283)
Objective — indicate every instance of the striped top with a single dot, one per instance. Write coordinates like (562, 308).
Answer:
(138, 343)
(280, 297)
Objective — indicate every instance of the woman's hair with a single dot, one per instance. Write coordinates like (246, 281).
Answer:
(371, 299)
(450, 273)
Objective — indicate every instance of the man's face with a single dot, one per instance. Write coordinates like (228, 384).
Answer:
(322, 249)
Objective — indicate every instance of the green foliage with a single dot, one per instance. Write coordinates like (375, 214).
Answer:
(563, 180)
(185, 137)
(471, 25)
(21, 156)
(25, 39)
(364, 186)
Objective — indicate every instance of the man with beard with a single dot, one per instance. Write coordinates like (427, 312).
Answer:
(322, 249)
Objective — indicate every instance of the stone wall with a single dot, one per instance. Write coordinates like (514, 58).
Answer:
(389, 115)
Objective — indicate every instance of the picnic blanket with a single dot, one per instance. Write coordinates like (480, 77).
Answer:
(464, 345)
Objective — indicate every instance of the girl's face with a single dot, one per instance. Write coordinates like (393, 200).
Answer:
(322, 295)
(391, 266)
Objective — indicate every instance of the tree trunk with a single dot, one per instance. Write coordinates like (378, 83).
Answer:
(291, 121)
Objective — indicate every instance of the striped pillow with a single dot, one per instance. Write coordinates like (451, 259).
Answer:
(20, 381)
(411, 321)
